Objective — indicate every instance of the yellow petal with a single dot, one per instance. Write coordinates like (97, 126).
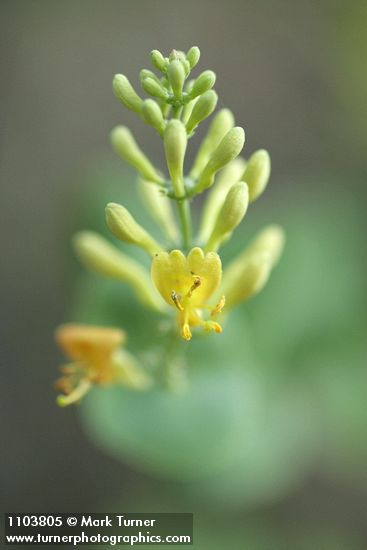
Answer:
(170, 273)
(209, 268)
(173, 272)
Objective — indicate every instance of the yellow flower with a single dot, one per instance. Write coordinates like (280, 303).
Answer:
(187, 284)
(96, 359)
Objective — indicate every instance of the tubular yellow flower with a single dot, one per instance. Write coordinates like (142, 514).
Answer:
(96, 359)
(187, 283)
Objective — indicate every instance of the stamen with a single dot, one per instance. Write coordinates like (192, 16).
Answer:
(212, 325)
(186, 332)
(197, 283)
(217, 327)
(76, 395)
(176, 300)
(218, 308)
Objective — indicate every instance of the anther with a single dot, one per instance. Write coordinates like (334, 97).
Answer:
(218, 308)
(176, 300)
(197, 283)
(212, 325)
(186, 332)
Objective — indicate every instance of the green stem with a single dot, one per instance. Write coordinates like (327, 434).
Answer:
(185, 218)
(171, 375)
(176, 111)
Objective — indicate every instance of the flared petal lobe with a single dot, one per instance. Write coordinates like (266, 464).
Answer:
(174, 272)
(89, 343)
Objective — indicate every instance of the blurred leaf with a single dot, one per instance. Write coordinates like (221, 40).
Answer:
(247, 427)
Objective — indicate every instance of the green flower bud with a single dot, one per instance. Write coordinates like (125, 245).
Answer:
(97, 254)
(126, 93)
(203, 83)
(177, 54)
(154, 88)
(126, 147)
(187, 110)
(271, 240)
(175, 142)
(186, 66)
(247, 280)
(188, 107)
(257, 173)
(228, 149)
(160, 209)
(202, 109)
(159, 61)
(229, 217)
(124, 227)
(227, 177)
(188, 86)
(222, 123)
(176, 77)
(193, 56)
(249, 272)
(152, 114)
(146, 73)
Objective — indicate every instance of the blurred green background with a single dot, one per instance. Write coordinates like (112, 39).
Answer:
(269, 446)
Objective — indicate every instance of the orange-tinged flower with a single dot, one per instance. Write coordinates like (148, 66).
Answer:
(96, 359)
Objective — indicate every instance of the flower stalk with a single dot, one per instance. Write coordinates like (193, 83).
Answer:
(187, 281)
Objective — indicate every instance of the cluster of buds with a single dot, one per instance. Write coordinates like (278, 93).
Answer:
(186, 269)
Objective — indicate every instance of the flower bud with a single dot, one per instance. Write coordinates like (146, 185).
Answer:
(249, 272)
(230, 175)
(153, 115)
(175, 142)
(124, 227)
(154, 87)
(222, 123)
(202, 109)
(177, 54)
(271, 240)
(228, 149)
(247, 280)
(188, 107)
(126, 147)
(126, 93)
(176, 77)
(186, 66)
(187, 110)
(230, 215)
(257, 173)
(146, 73)
(203, 83)
(193, 56)
(159, 61)
(97, 254)
(160, 209)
